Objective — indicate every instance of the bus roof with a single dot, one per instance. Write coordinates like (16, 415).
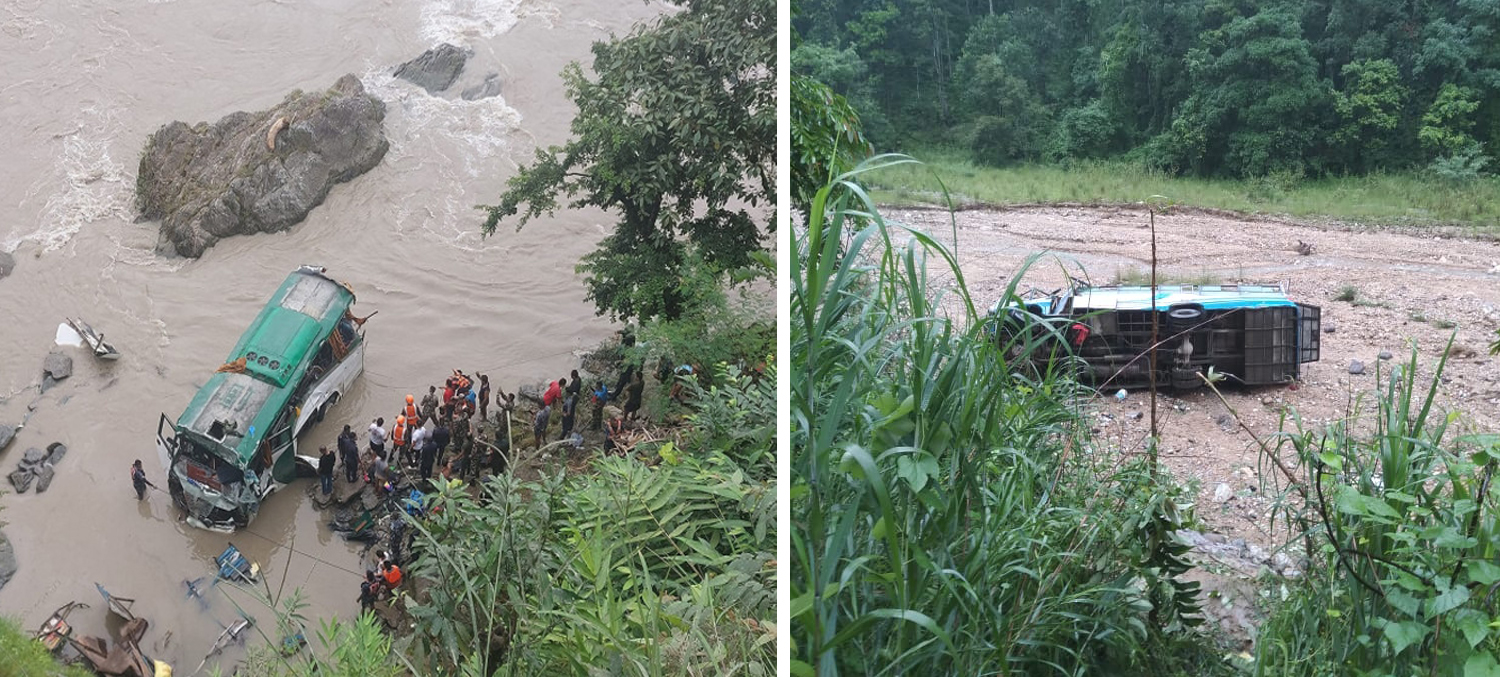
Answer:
(1210, 296)
(276, 347)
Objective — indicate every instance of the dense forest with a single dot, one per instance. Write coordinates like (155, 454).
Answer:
(1233, 88)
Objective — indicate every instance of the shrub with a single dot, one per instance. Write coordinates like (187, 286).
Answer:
(949, 516)
(1401, 535)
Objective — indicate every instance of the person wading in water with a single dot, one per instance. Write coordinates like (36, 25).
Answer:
(138, 478)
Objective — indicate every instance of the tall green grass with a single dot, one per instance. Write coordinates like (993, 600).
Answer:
(949, 513)
(1409, 198)
(1405, 541)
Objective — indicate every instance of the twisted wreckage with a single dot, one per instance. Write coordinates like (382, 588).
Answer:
(236, 442)
(1252, 334)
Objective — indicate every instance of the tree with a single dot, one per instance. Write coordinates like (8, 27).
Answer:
(676, 133)
(1369, 109)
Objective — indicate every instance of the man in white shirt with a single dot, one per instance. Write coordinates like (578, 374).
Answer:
(416, 444)
(377, 437)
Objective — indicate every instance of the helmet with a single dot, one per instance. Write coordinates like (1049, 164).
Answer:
(400, 420)
(408, 399)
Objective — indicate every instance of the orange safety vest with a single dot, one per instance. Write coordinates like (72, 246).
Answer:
(398, 434)
(411, 413)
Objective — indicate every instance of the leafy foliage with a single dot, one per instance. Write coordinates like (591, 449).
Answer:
(660, 570)
(358, 649)
(826, 137)
(1226, 88)
(677, 134)
(1403, 530)
(947, 515)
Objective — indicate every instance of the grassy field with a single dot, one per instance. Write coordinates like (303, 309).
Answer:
(1380, 199)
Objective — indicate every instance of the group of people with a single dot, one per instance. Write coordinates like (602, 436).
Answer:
(379, 584)
(423, 434)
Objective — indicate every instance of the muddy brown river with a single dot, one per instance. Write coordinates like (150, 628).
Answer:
(84, 82)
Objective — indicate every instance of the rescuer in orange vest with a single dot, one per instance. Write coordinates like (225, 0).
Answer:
(398, 439)
(411, 411)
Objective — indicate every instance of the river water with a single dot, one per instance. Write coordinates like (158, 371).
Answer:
(82, 84)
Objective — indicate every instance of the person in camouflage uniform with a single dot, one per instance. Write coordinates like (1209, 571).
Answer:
(462, 433)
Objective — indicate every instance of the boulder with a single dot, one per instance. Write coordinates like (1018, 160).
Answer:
(532, 392)
(257, 172)
(484, 90)
(436, 69)
(7, 433)
(55, 452)
(32, 458)
(44, 477)
(1356, 367)
(57, 365)
(8, 563)
(21, 480)
(8, 262)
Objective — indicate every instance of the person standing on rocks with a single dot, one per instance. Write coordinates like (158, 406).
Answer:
(349, 451)
(442, 435)
(398, 440)
(418, 438)
(410, 412)
(633, 396)
(554, 392)
(368, 590)
(575, 386)
(429, 404)
(484, 398)
(326, 463)
(539, 426)
(570, 405)
(461, 432)
(377, 437)
(601, 396)
(428, 455)
(138, 479)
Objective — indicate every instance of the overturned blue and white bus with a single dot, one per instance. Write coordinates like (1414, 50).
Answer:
(1252, 334)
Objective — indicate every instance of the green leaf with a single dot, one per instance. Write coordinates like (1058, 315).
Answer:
(1331, 459)
(1448, 600)
(1482, 572)
(1481, 665)
(1473, 623)
(1404, 634)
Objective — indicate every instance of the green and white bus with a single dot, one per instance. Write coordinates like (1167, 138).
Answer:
(236, 442)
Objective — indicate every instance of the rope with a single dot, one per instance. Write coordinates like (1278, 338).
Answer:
(308, 555)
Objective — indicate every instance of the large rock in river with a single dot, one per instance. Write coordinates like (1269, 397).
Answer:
(436, 69)
(7, 264)
(257, 172)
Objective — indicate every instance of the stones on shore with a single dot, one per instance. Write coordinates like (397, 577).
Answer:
(7, 433)
(436, 69)
(37, 466)
(1356, 367)
(207, 182)
(8, 262)
(1385, 355)
(56, 367)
